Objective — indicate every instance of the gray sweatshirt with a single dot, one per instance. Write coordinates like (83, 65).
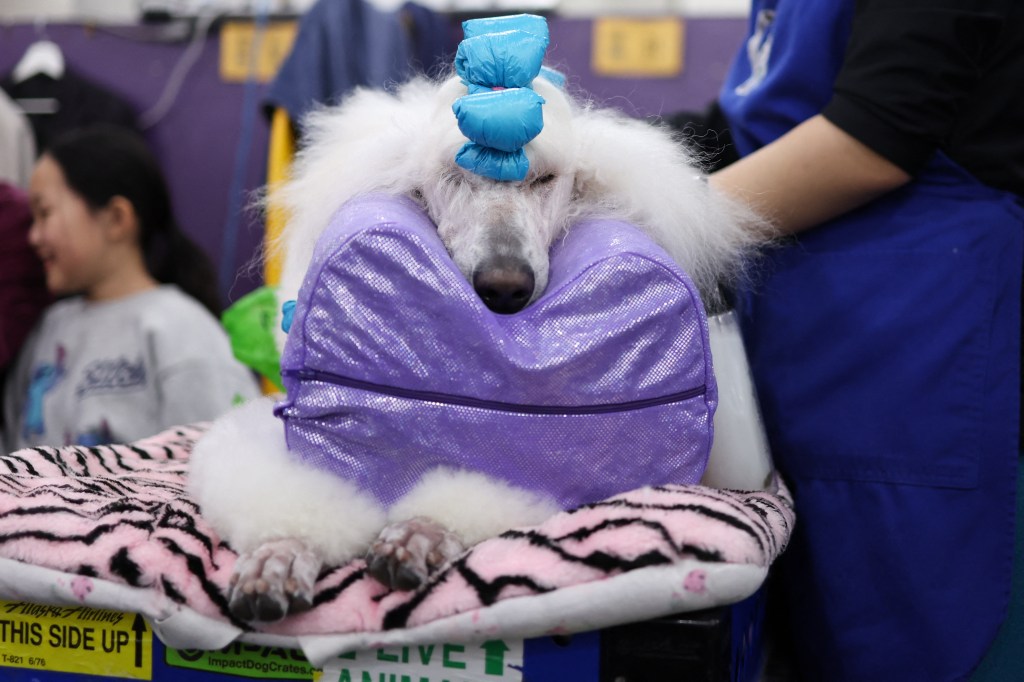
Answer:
(116, 371)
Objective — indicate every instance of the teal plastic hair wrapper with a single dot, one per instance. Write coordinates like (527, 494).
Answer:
(553, 76)
(287, 315)
(503, 119)
(511, 59)
(527, 23)
(556, 77)
(498, 60)
(493, 163)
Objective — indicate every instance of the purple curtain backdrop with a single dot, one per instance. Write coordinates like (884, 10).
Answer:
(197, 140)
(710, 45)
(200, 137)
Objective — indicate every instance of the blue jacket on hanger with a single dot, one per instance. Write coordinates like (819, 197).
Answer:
(343, 44)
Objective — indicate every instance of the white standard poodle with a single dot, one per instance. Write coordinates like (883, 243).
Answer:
(288, 519)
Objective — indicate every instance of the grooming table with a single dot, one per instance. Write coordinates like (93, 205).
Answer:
(111, 528)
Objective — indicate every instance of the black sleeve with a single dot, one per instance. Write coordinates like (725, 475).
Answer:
(909, 68)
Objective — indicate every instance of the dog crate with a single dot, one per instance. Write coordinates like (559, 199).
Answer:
(723, 644)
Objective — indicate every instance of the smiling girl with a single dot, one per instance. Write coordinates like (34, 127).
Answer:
(133, 347)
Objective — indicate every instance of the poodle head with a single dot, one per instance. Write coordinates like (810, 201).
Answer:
(499, 233)
(586, 161)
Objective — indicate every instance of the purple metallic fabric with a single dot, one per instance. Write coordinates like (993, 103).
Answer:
(394, 366)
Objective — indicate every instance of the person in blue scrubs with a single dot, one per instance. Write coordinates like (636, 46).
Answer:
(885, 139)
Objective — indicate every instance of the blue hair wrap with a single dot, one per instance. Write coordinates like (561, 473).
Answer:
(498, 59)
(493, 163)
(554, 76)
(527, 23)
(502, 119)
(511, 59)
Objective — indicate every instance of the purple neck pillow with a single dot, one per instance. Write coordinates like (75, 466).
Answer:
(394, 366)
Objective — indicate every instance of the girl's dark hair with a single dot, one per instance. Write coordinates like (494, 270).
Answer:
(103, 162)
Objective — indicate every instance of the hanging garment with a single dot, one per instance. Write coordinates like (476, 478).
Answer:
(343, 44)
(72, 101)
(886, 350)
(17, 143)
(23, 293)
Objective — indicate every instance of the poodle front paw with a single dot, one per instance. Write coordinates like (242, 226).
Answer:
(274, 580)
(407, 552)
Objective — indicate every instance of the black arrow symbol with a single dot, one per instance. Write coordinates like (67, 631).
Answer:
(139, 628)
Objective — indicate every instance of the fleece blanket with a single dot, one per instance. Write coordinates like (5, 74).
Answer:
(113, 527)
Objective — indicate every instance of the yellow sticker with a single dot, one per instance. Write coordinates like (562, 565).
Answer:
(638, 47)
(239, 39)
(75, 639)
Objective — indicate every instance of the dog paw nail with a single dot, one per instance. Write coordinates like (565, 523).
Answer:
(269, 610)
(299, 604)
(377, 568)
(406, 579)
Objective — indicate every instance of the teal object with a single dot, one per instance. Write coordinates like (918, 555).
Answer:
(498, 60)
(527, 23)
(287, 315)
(501, 119)
(493, 163)
(553, 76)
(511, 59)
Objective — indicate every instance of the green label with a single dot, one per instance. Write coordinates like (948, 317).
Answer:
(492, 661)
(246, 660)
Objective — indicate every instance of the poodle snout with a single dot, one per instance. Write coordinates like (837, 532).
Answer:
(505, 284)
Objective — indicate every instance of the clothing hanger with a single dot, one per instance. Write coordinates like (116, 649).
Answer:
(43, 57)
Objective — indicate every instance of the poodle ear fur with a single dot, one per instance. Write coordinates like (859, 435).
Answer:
(633, 165)
(639, 172)
(372, 141)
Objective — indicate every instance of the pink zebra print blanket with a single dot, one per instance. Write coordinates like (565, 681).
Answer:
(94, 524)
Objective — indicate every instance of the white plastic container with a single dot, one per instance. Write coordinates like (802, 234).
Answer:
(740, 458)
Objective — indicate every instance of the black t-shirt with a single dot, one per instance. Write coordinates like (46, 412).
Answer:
(69, 102)
(921, 75)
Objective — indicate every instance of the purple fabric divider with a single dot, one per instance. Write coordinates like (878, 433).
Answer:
(394, 366)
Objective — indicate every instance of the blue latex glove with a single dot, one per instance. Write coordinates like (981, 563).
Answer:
(493, 163)
(502, 119)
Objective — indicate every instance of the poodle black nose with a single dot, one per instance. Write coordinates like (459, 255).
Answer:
(505, 284)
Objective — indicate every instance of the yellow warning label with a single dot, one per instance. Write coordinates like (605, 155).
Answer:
(246, 51)
(75, 639)
(638, 47)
